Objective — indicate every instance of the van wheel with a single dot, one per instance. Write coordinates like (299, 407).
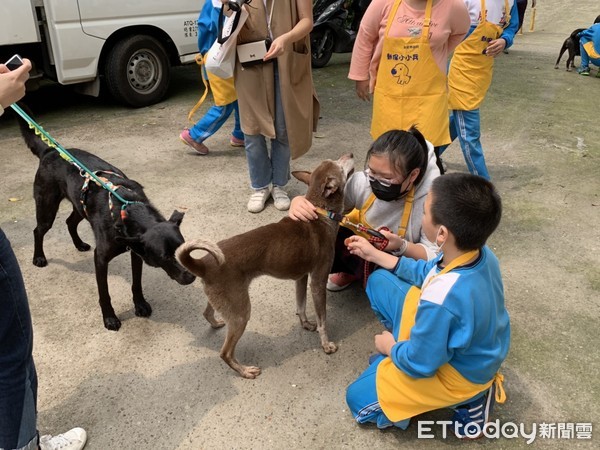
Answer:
(137, 71)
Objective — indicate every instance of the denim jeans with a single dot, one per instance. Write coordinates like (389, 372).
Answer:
(274, 168)
(214, 119)
(18, 378)
(466, 125)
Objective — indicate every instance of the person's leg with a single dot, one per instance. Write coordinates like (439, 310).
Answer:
(584, 68)
(237, 133)
(469, 135)
(386, 293)
(361, 397)
(210, 123)
(521, 7)
(280, 152)
(18, 378)
(259, 168)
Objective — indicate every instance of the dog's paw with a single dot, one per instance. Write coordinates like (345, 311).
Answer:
(143, 309)
(83, 247)
(250, 372)
(40, 261)
(330, 347)
(112, 323)
(308, 325)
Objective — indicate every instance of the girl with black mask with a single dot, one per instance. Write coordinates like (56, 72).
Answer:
(389, 196)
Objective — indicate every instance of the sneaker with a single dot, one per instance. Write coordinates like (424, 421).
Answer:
(235, 142)
(187, 140)
(585, 71)
(470, 418)
(341, 280)
(281, 199)
(258, 199)
(71, 440)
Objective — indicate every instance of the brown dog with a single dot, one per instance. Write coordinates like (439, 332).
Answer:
(287, 249)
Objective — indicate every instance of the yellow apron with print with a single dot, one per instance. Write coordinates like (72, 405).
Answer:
(359, 216)
(410, 88)
(401, 396)
(470, 72)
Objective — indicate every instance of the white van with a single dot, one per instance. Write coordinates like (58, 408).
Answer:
(129, 44)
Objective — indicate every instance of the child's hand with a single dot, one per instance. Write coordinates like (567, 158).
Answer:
(395, 242)
(359, 246)
(384, 342)
(362, 90)
(302, 209)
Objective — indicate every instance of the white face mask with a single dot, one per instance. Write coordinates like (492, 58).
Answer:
(438, 248)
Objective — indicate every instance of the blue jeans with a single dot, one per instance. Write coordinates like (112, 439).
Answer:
(274, 168)
(214, 119)
(585, 58)
(18, 378)
(386, 293)
(466, 125)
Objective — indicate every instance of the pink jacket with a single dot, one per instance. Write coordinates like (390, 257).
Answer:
(449, 24)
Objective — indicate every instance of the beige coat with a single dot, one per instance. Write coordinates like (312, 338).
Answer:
(255, 84)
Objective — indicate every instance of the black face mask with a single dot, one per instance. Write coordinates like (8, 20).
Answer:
(388, 193)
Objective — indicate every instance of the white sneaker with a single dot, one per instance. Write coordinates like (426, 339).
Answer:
(258, 199)
(281, 199)
(71, 440)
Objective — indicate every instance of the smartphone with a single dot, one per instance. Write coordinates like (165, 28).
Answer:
(14, 62)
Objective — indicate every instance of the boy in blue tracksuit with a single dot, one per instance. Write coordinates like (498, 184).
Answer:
(589, 44)
(223, 90)
(493, 27)
(448, 330)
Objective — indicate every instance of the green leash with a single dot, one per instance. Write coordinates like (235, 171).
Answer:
(49, 140)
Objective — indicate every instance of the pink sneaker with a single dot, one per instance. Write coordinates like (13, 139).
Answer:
(187, 140)
(339, 281)
(235, 142)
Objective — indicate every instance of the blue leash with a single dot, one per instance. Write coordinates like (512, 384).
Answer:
(49, 140)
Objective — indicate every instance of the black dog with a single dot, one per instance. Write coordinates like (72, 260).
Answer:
(139, 226)
(572, 45)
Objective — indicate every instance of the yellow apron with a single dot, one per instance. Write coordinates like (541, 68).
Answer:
(401, 396)
(470, 73)
(359, 216)
(410, 88)
(223, 89)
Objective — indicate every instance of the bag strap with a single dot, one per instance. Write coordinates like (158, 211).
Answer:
(236, 20)
(200, 61)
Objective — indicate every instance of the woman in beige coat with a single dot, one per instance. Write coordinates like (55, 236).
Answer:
(276, 97)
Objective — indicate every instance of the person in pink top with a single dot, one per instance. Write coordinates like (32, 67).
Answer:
(400, 57)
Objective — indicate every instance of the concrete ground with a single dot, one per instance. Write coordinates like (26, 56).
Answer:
(159, 382)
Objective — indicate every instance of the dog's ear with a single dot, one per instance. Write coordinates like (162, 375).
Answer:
(330, 186)
(302, 175)
(134, 243)
(176, 217)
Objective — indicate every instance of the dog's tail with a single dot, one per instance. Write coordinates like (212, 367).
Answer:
(183, 255)
(35, 144)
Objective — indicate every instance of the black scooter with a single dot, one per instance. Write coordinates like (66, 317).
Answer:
(335, 25)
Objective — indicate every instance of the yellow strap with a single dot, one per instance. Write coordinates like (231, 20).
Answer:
(408, 204)
(409, 313)
(200, 61)
(483, 12)
(426, 22)
(500, 393)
